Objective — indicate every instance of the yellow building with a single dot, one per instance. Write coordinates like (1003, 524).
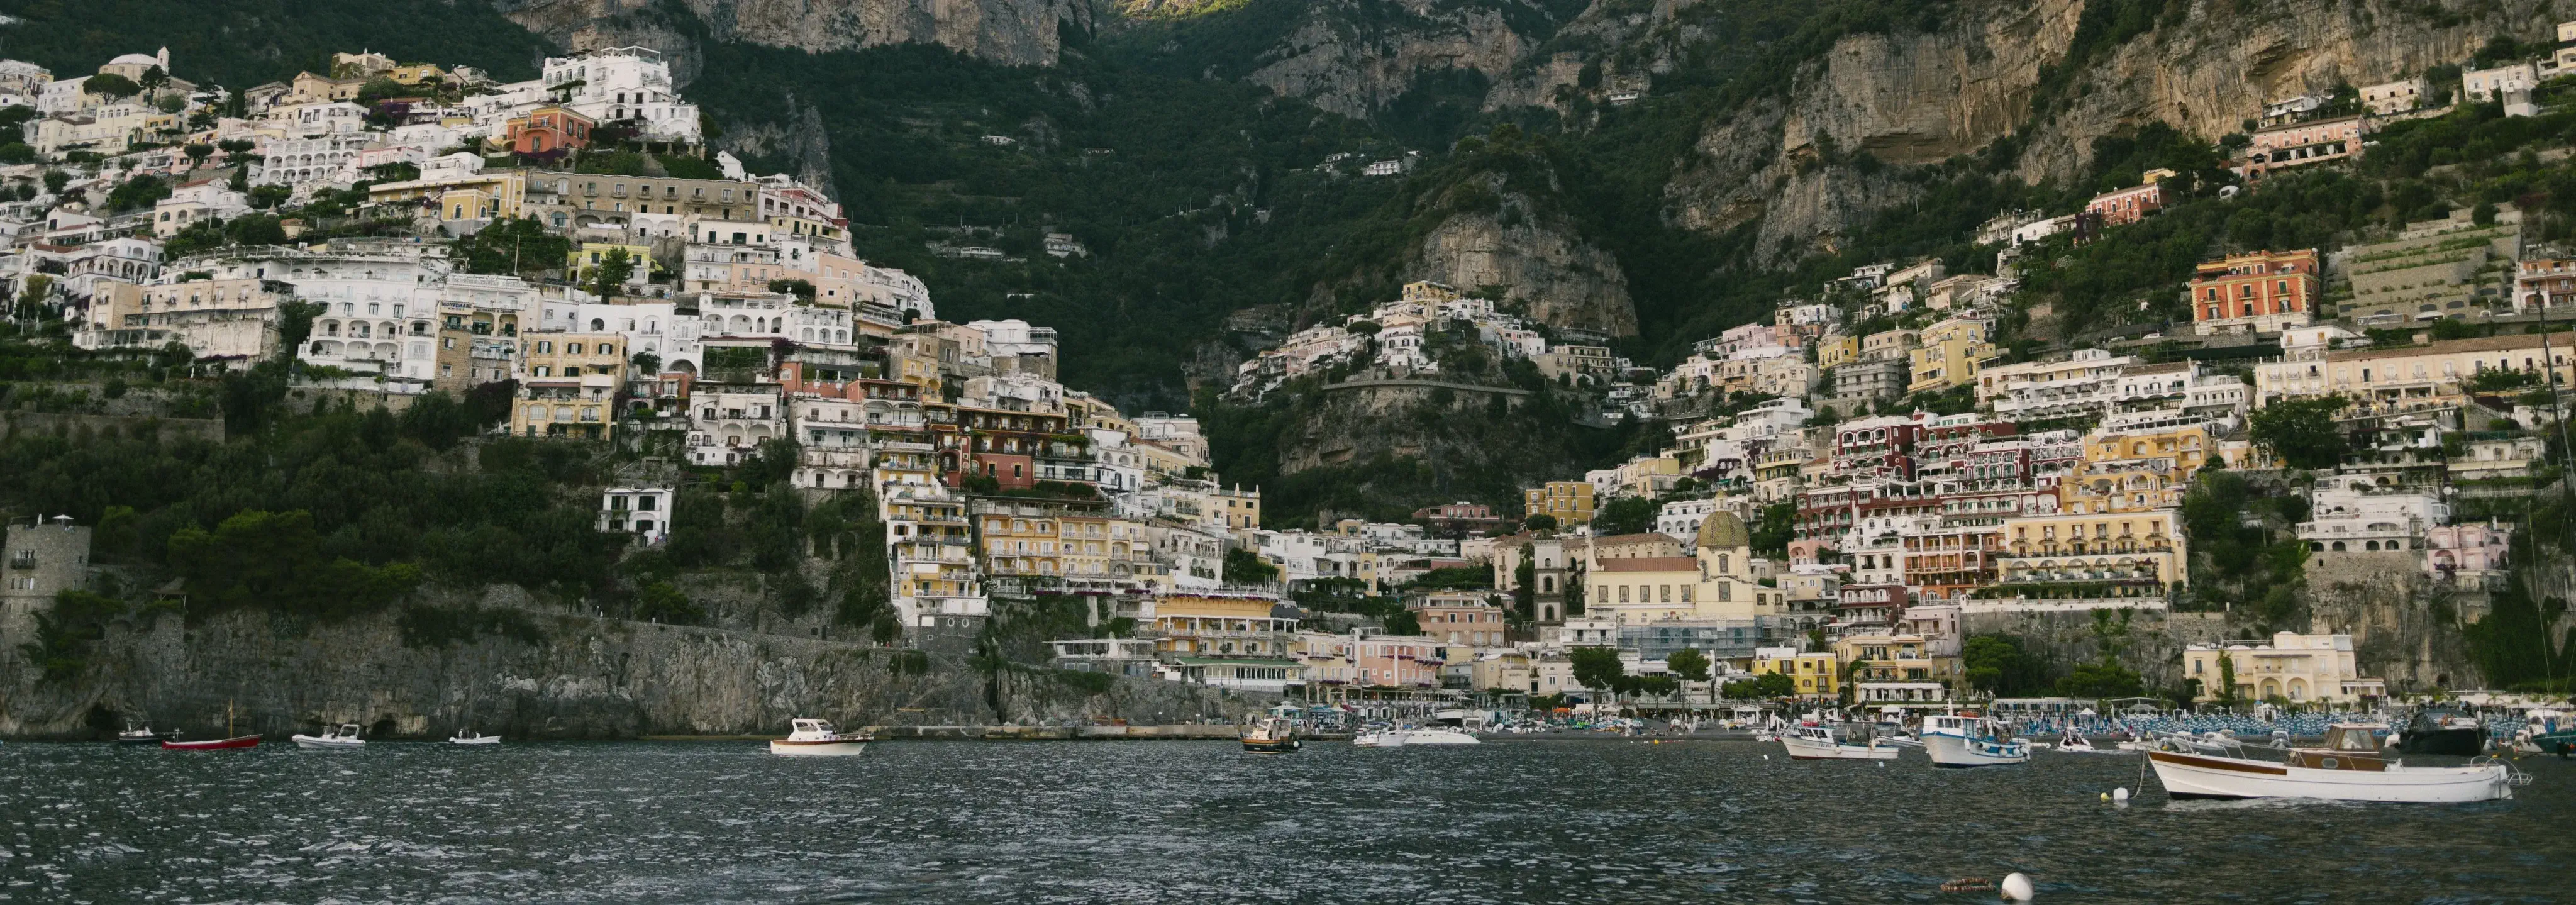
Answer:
(1893, 658)
(1649, 477)
(2136, 471)
(570, 385)
(1569, 501)
(1837, 350)
(1716, 582)
(1217, 624)
(585, 258)
(476, 197)
(1241, 506)
(2138, 552)
(1816, 675)
(1949, 354)
(1021, 545)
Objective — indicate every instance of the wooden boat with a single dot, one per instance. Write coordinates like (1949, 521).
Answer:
(344, 738)
(1811, 741)
(470, 737)
(1969, 740)
(221, 744)
(1273, 735)
(2349, 768)
(817, 738)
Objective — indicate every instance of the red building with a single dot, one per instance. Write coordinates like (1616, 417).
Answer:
(548, 128)
(2258, 292)
(2128, 205)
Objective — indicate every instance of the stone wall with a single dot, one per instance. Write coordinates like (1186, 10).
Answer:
(544, 674)
(2154, 643)
(2404, 628)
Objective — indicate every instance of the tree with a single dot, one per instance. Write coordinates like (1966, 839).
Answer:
(1525, 587)
(110, 85)
(1403, 622)
(153, 79)
(1688, 663)
(608, 279)
(55, 180)
(1997, 665)
(663, 602)
(799, 288)
(647, 363)
(1625, 515)
(17, 152)
(1248, 567)
(1598, 669)
(1775, 526)
(235, 148)
(1540, 521)
(263, 197)
(2226, 679)
(2301, 432)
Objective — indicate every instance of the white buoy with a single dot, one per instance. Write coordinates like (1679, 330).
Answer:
(2119, 794)
(2017, 887)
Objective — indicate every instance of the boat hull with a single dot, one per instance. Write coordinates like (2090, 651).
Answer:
(1439, 737)
(843, 748)
(2205, 776)
(1270, 746)
(479, 740)
(311, 743)
(1808, 749)
(226, 744)
(2463, 742)
(1956, 751)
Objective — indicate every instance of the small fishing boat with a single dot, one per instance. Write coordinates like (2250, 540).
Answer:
(1273, 735)
(143, 736)
(344, 738)
(1811, 741)
(2349, 768)
(817, 738)
(470, 737)
(221, 744)
(1970, 740)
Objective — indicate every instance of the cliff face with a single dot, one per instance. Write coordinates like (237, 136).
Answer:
(576, 677)
(1010, 32)
(1567, 282)
(1356, 71)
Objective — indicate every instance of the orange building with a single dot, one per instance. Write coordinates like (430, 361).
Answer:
(2256, 292)
(2129, 205)
(549, 128)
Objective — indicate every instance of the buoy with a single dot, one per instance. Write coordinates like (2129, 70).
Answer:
(2106, 796)
(2017, 887)
(2121, 794)
(1766, 757)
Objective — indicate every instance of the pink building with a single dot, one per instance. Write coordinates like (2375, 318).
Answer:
(2128, 205)
(2304, 143)
(2465, 553)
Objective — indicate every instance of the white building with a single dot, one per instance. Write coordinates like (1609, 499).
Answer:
(642, 511)
(2293, 667)
(623, 84)
(2349, 513)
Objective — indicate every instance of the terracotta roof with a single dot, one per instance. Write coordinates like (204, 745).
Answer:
(1642, 538)
(2507, 343)
(1651, 564)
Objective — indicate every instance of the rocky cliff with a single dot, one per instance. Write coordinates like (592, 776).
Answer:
(1009, 32)
(1544, 262)
(510, 666)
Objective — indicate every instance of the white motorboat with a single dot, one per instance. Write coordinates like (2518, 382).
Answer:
(2073, 742)
(1378, 738)
(2351, 767)
(1439, 735)
(1273, 735)
(817, 738)
(344, 738)
(470, 737)
(1969, 740)
(1814, 742)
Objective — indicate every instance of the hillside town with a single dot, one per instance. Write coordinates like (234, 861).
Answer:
(1849, 490)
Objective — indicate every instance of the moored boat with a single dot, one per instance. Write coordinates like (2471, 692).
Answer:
(1970, 740)
(2547, 731)
(1273, 735)
(221, 744)
(143, 736)
(344, 738)
(2453, 734)
(1810, 741)
(2349, 768)
(2073, 742)
(471, 737)
(1439, 735)
(817, 738)
(1379, 738)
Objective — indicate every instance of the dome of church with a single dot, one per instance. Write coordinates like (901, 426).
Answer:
(134, 59)
(1722, 529)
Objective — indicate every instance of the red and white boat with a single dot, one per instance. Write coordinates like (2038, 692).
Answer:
(2349, 768)
(817, 738)
(221, 744)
